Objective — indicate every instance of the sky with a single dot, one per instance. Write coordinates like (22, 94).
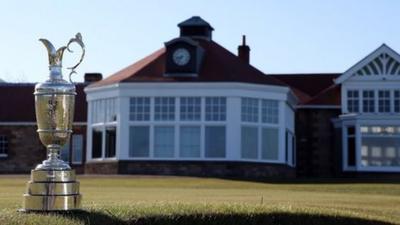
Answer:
(285, 36)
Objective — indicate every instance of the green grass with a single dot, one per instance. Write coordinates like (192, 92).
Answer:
(180, 200)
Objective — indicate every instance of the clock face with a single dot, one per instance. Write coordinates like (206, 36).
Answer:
(181, 56)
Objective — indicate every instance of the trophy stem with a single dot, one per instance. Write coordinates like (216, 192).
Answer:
(53, 161)
(53, 152)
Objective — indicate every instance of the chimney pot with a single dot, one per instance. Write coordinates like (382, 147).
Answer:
(244, 51)
(93, 77)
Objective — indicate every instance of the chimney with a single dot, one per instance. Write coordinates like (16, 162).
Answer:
(244, 51)
(93, 77)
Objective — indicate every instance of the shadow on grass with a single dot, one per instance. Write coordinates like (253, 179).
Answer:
(281, 218)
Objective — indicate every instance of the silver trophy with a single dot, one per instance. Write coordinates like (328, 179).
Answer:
(53, 185)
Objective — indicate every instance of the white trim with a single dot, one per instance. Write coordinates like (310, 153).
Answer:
(3, 155)
(318, 107)
(196, 88)
(366, 60)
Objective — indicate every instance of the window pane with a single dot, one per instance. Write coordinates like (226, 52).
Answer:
(189, 141)
(352, 101)
(249, 142)
(215, 142)
(110, 142)
(97, 136)
(139, 109)
(3, 144)
(64, 153)
(384, 101)
(190, 108)
(215, 109)
(351, 151)
(139, 143)
(269, 111)
(249, 110)
(270, 143)
(164, 142)
(164, 108)
(380, 151)
(397, 101)
(368, 101)
(77, 148)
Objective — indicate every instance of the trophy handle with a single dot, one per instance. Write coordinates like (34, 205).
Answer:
(78, 40)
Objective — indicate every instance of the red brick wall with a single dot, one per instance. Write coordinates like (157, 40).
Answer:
(26, 151)
(316, 155)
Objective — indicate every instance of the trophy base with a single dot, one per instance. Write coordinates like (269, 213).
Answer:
(52, 190)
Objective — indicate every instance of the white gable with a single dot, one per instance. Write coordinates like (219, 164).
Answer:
(381, 64)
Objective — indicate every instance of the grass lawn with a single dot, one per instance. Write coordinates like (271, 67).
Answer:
(184, 200)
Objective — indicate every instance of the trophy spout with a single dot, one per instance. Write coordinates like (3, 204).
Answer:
(55, 56)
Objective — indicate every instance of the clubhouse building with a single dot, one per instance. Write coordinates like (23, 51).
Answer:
(194, 108)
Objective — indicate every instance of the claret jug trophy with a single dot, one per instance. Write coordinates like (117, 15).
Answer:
(53, 185)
